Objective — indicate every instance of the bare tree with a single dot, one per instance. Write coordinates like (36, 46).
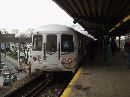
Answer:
(29, 32)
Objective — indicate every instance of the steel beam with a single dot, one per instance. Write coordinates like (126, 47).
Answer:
(90, 18)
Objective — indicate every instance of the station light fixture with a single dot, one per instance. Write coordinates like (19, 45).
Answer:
(120, 23)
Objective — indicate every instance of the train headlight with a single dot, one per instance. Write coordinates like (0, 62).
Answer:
(39, 58)
(69, 60)
(34, 58)
(68, 63)
(63, 61)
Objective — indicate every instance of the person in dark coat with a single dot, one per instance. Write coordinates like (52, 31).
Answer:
(113, 46)
(127, 49)
(91, 50)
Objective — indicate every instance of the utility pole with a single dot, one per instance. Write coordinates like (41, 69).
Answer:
(0, 49)
(5, 44)
(19, 53)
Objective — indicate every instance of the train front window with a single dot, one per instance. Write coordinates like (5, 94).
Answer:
(51, 45)
(67, 44)
(37, 42)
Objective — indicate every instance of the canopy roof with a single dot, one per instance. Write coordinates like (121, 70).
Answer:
(99, 17)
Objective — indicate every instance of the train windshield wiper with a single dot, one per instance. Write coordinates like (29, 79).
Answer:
(65, 53)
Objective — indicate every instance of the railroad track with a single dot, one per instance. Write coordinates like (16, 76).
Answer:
(57, 86)
(44, 86)
(37, 89)
(33, 88)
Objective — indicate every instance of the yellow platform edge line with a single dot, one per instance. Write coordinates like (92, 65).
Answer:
(69, 87)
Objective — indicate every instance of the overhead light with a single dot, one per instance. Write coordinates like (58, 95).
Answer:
(126, 18)
(112, 29)
(120, 23)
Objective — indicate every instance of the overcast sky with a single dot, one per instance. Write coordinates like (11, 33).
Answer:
(23, 14)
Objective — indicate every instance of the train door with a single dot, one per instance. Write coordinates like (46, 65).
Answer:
(37, 51)
(68, 55)
(51, 51)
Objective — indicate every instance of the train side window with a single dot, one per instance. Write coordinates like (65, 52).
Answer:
(37, 42)
(67, 44)
(51, 45)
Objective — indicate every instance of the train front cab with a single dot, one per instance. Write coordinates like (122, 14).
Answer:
(55, 52)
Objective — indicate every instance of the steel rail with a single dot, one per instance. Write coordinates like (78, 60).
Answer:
(37, 89)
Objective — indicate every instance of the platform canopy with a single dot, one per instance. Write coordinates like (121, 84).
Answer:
(99, 17)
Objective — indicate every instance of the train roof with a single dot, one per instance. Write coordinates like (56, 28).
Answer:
(54, 27)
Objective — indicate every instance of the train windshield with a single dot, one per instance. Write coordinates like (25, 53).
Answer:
(67, 44)
(51, 45)
(37, 42)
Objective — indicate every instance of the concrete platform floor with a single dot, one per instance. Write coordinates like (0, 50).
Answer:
(103, 80)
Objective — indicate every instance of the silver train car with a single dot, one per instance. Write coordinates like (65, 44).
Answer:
(57, 48)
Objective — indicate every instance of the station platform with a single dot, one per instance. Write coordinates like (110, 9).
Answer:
(97, 79)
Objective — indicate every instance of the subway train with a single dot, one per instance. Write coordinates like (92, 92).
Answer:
(57, 48)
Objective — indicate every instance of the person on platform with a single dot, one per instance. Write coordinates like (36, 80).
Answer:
(127, 49)
(113, 46)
